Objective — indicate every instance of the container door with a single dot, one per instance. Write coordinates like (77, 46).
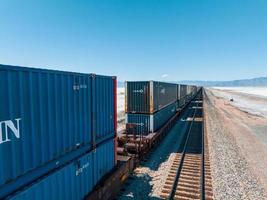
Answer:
(103, 107)
(138, 97)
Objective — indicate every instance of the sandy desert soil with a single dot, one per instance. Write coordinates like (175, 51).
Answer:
(120, 108)
(238, 146)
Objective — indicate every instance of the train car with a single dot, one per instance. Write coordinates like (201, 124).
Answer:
(148, 97)
(49, 117)
(194, 90)
(182, 95)
(143, 124)
(73, 181)
(189, 92)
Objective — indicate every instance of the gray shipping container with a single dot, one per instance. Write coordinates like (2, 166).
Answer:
(177, 92)
(189, 89)
(182, 91)
(195, 88)
(148, 96)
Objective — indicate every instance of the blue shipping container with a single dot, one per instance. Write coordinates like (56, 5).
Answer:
(143, 124)
(103, 107)
(75, 180)
(46, 115)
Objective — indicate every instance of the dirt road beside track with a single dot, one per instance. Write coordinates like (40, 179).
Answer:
(238, 149)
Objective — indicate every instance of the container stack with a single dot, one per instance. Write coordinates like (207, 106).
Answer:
(182, 95)
(149, 105)
(57, 132)
(191, 91)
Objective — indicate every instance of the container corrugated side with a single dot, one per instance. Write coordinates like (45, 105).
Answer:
(104, 159)
(44, 114)
(103, 109)
(148, 97)
(178, 92)
(183, 91)
(75, 180)
(54, 123)
(167, 94)
(137, 97)
(138, 124)
(194, 90)
(143, 124)
(189, 89)
(162, 116)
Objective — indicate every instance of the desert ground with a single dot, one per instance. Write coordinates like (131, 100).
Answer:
(120, 108)
(237, 132)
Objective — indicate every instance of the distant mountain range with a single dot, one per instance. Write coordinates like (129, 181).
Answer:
(262, 81)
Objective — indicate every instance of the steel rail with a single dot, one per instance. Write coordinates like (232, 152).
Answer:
(171, 197)
(203, 152)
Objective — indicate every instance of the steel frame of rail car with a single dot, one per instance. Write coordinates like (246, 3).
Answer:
(202, 178)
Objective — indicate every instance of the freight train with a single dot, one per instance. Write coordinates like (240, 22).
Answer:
(150, 104)
(58, 130)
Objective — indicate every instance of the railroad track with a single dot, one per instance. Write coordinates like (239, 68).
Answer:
(189, 176)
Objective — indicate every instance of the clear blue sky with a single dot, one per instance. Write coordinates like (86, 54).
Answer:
(138, 39)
